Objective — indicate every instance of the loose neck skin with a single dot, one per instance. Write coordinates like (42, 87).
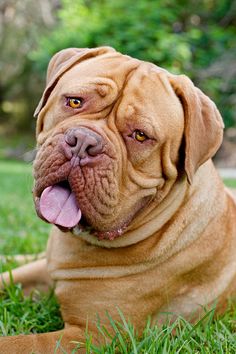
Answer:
(154, 216)
(180, 220)
(198, 200)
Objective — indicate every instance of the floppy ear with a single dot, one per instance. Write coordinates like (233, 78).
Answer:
(203, 131)
(63, 61)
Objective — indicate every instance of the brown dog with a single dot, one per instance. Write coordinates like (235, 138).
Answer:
(123, 169)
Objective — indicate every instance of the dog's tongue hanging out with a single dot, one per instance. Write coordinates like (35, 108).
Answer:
(58, 206)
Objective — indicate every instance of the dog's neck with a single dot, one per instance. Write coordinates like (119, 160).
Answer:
(154, 217)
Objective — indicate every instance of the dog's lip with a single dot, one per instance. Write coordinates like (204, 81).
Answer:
(100, 235)
(37, 208)
(113, 233)
(83, 225)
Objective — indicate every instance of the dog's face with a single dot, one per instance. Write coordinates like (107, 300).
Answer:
(110, 135)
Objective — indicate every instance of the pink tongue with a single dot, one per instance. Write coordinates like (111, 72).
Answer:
(58, 206)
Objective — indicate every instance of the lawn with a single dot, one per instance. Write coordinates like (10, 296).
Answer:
(20, 229)
(22, 232)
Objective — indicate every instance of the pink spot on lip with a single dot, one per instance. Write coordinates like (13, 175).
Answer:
(110, 235)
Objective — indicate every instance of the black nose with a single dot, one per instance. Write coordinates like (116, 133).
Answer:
(82, 142)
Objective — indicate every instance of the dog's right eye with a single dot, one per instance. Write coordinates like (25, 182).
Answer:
(74, 102)
(139, 136)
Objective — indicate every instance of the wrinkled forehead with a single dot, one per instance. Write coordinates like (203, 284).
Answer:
(151, 83)
(115, 67)
(124, 71)
(149, 96)
(142, 85)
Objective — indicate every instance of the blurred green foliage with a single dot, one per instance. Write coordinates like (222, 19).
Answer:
(22, 23)
(195, 37)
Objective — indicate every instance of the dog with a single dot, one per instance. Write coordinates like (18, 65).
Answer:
(123, 171)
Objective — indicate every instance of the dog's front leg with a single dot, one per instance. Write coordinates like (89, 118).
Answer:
(30, 275)
(57, 342)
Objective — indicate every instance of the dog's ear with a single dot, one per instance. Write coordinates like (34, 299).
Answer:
(203, 131)
(63, 61)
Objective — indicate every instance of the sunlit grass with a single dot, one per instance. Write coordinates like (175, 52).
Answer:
(208, 335)
(39, 313)
(35, 313)
(230, 182)
(21, 231)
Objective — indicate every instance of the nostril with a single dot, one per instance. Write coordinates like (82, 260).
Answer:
(87, 146)
(71, 139)
(94, 150)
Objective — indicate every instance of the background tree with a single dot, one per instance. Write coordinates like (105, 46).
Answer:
(21, 24)
(196, 37)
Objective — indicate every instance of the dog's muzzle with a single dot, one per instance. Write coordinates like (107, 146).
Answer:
(58, 205)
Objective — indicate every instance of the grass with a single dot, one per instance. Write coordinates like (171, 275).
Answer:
(230, 183)
(22, 232)
(206, 336)
(40, 313)
(15, 143)
(36, 313)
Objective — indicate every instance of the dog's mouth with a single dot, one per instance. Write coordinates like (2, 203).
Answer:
(58, 205)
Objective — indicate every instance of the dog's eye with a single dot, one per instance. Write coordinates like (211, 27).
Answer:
(74, 102)
(139, 136)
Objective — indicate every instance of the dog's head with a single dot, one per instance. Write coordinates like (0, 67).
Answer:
(114, 135)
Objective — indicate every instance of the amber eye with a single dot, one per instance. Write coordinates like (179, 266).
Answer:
(140, 136)
(74, 102)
